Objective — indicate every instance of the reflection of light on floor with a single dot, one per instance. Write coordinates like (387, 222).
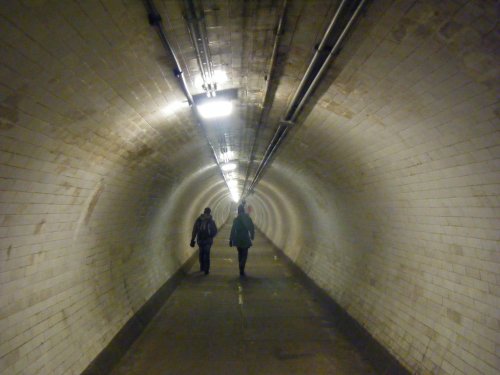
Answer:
(275, 257)
(240, 295)
(228, 260)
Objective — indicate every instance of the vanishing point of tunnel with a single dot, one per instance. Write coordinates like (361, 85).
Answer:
(362, 137)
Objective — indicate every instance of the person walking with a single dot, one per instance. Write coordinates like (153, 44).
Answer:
(204, 231)
(242, 235)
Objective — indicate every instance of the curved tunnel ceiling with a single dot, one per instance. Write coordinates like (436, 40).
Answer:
(385, 191)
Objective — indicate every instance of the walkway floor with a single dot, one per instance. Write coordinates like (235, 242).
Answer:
(264, 324)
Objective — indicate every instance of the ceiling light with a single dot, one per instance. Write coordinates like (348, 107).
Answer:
(227, 156)
(235, 196)
(215, 108)
(220, 76)
(228, 167)
(198, 81)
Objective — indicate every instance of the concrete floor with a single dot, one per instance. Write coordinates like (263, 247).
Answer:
(265, 323)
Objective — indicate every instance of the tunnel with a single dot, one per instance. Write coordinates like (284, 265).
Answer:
(362, 137)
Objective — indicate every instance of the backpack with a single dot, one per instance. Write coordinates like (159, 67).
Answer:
(204, 230)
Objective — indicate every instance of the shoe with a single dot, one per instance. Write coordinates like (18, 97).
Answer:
(207, 272)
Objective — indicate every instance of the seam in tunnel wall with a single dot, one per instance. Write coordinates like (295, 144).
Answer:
(394, 177)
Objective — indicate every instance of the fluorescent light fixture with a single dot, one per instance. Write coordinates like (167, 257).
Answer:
(233, 189)
(227, 156)
(220, 76)
(228, 167)
(215, 108)
(235, 196)
(198, 81)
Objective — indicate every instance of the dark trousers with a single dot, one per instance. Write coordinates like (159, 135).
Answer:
(204, 256)
(242, 257)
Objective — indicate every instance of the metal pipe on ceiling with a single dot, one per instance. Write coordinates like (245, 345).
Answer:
(319, 53)
(204, 43)
(196, 28)
(327, 62)
(155, 20)
(277, 139)
(265, 101)
(313, 73)
(193, 33)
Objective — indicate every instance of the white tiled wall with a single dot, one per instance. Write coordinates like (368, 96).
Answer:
(95, 211)
(397, 184)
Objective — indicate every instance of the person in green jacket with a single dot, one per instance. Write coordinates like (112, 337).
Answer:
(242, 234)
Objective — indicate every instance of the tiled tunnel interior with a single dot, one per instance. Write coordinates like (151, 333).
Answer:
(363, 137)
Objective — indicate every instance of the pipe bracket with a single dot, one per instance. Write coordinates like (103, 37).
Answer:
(177, 72)
(154, 19)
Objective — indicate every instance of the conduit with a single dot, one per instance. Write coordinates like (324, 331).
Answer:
(265, 101)
(196, 27)
(155, 20)
(313, 74)
(309, 74)
(325, 65)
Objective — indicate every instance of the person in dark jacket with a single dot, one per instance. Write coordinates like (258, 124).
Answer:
(204, 231)
(242, 235)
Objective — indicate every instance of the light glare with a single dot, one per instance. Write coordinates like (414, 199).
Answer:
(235, 195)
(220, 76)
(215, 108)
(227, 156)
(228, 167)
(198, 81)
(173, 107)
